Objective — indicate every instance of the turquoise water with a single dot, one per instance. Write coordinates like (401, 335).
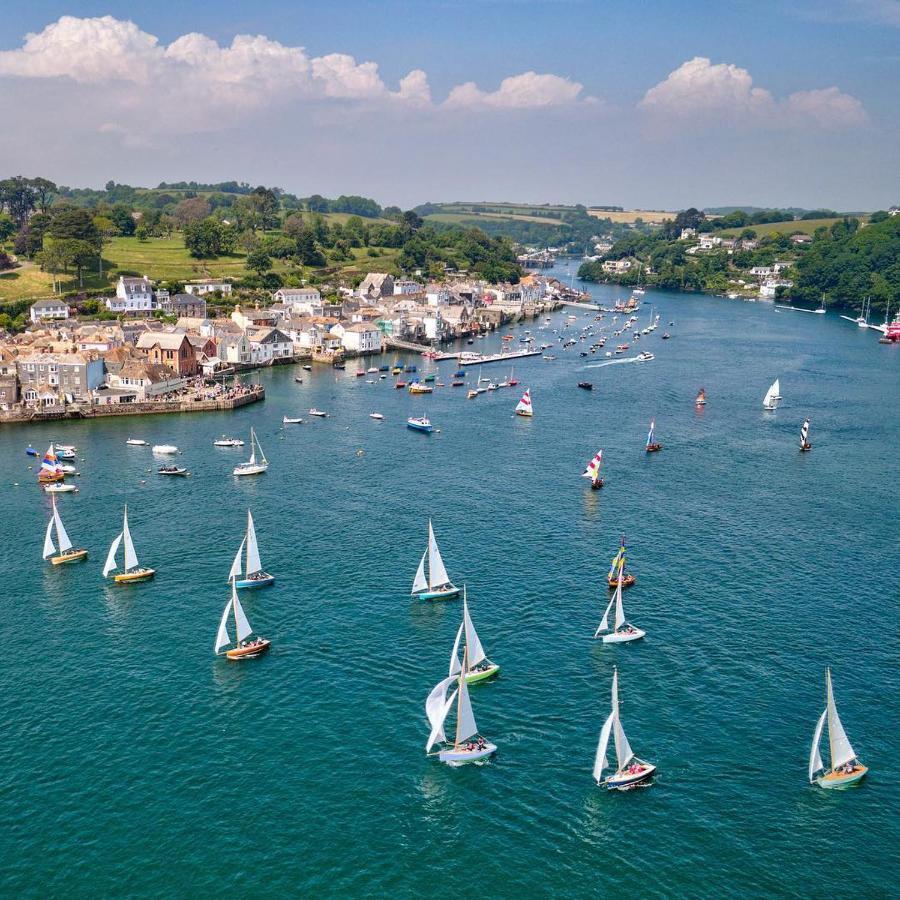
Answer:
(136, 762)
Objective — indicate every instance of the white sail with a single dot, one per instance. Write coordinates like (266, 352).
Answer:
(620, 610)
(604, 622)
(253, 562)
(455, 667)
(474, 651)
(261, 451)
(420, 583)
(776, 387)
(600, 760)
(252, 461)
(804, 432)
(437, 574)
(465, 718)
(841, 751)
(650, 433)
(61, 535)
(223, 638)
(436, 709)
(111, 558)
(131, 560)
(243, 626)
(49, 546)
(437, 730)
(772, 395)
(236, 565)
(624, 753)
(815, 758)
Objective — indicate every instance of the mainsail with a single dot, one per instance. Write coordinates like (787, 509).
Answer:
(650, 433)
(804, 433)
(524, 405)
(841, 751)
(770, 401)
(624, 753)
(253, 562)
(593, 467)
(131, 560)
(465, 718)
(437, 574)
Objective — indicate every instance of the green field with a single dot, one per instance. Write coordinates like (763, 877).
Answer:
(470, 220)
(806, 226)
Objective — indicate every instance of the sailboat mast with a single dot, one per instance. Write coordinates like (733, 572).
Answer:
(459, 693)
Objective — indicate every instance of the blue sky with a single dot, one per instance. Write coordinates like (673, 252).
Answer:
(640, 104)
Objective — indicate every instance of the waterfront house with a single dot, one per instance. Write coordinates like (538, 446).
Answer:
(171, 349)
(9, 379)
(134, 297)
(204, 347)
(269, 345)
(57, 378)
(617, 266)
(48, 309)
(376, 284)
(200, 288)
(147, 380)
(233, 348)
(361, 338)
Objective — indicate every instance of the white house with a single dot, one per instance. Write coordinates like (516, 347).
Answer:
(437, 294)
(687, 233)
(148, 380)
(762, 271)
(709, 241)
(404, 286)
(199, 288)
(268, 345)
(134, 296)
(617, 266)
(361, 337)
(303, 301)
(233, 348)
(49, 309)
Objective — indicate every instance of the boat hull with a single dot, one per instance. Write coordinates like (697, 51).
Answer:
(523, 414)
(250, 470)
(425, 429)
(654, 448)
(623, 638)
(627, 581)
(137, 575)
(461, 757)
(482, 674)
(623, 780)
(447, 593)
(596, 485)
(74, 556)
(842, 779)
(253, 583)
(248, 652)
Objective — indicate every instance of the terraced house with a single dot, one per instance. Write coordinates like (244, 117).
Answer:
(54, 379)
(170, 348)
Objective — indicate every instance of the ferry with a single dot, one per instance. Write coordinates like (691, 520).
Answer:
(892, 330)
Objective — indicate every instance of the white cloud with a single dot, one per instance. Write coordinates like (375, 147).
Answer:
(526, 91)
(699, 90)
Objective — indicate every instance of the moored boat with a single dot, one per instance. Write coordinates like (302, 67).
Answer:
(228, 442)
(291, 420)
(318, 413)
(136, 442)
(165, 449)
(58, 487)
(377, 416)
(420, 423)
(254, 465)
(586, 385)
(173, 470)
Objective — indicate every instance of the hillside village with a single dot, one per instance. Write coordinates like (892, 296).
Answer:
(165, 346)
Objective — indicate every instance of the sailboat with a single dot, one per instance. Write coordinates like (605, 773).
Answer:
(253, 466)
(50, 470)
(845, 767)
(593, 471)
(630, 770)
(773, 395)
(821, 309)
(479, 667)
(437, 707)
(612, 577)
(67, 553)
(254, 574)
(622, 632)
(523, 408)
(701, 397)
(804, 436)
(242, 649)
(652, 446)
(133, 570)
(437, 586)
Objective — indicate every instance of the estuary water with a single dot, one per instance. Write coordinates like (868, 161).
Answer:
(136, 762)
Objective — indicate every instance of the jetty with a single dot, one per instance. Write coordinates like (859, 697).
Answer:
(580, 304)
(476, 359)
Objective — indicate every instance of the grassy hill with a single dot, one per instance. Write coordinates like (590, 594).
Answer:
(805, 226)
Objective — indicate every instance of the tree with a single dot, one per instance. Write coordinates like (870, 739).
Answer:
(142, 232)
(43, 191)
(203, 239)
(293, 225)
(6, 261)
(191, 210)
(74, 224)
(123, 219)
(106, 228)
(18, 195)
(258, 261)
(79, 253)
(7, 227)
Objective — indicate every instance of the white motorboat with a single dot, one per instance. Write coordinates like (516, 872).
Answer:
(165, 449)
(136, 442)
(288, 420)
(60, 488)
(228, 442)
(318, 413)
(377, 416)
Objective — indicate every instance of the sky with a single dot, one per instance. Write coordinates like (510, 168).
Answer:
(639, 103)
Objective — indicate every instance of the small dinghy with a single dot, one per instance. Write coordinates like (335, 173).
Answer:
(298, 379)
(804, 437)
(652, 446)
(630, 771)
(288, 420)
(612, 577)
(173, 470)
(773, 395)
(165, 449)
(67, 553)
(468, 745)
(378, 417)
(593, 471)
(586, 385)
(318, 413)
(60, 488)
(622, 632)
(846, 769)
(306, 368)
(524, 407)
(244, 647)
(136, 442)
(436, 585)
(31, 451)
